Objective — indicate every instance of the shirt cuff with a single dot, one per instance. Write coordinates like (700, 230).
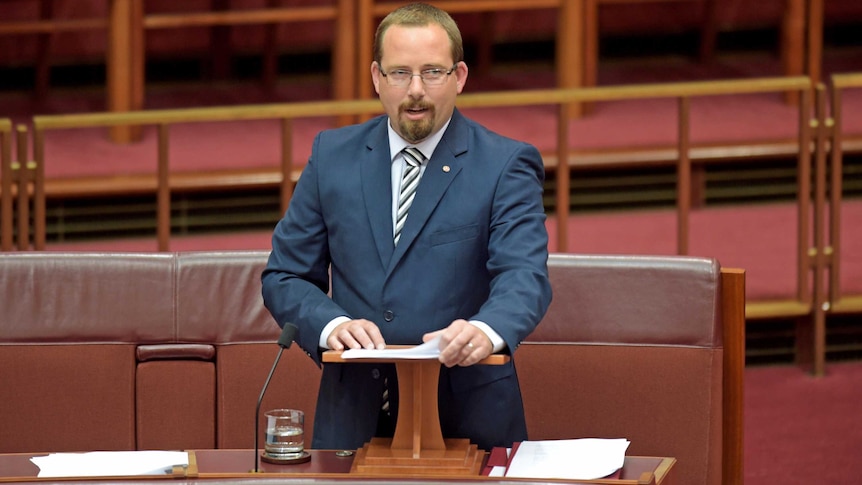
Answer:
(327, 330)
(496, 340)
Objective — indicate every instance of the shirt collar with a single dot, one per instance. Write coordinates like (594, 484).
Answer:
(426, 146)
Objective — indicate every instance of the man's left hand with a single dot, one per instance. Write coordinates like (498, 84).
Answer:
(461, 343)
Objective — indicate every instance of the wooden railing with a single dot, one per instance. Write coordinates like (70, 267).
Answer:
(286, 112)
(164, 119)
(576, 39)
(815, 133)
(126, 23)
(831, 248)
(6, 224)
(683, 93)
(21, 187)
(568, 41)
(828, 192)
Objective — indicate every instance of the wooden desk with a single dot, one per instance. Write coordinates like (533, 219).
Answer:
(325, 468)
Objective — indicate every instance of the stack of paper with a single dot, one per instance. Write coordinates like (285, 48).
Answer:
(109, 463)
(427, 350)
(575, 459)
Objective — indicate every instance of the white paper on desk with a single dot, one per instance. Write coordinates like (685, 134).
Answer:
(109, 463)
(577, 459)
(427, 350)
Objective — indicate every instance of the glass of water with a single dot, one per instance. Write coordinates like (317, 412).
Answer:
(285, 433)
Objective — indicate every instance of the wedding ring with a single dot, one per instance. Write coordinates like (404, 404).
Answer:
(470, 344)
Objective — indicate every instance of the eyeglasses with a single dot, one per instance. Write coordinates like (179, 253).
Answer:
(400, 78)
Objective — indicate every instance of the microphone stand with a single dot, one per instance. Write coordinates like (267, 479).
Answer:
(288, 334)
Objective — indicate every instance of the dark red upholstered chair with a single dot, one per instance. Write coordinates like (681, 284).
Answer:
(634, 347)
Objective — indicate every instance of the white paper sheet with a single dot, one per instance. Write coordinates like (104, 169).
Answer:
(109, 463)
(577, 459)
(427, 350)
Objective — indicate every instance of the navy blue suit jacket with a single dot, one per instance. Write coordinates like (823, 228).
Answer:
(474, 247)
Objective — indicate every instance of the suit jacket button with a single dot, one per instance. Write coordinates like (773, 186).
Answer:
(375, 373)
(388, 315)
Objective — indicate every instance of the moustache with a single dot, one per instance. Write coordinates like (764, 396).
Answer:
(415, 106)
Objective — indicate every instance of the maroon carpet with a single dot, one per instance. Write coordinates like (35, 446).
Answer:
(802, 430)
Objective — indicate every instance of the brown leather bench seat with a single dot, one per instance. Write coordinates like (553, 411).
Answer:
(139, 351)
(120, 351)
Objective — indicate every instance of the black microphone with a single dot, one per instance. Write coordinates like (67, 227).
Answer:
(288, 333)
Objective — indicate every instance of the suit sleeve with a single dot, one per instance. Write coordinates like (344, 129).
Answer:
(518, 250)
(296, 279)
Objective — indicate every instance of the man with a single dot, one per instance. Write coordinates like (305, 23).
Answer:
(468, 263)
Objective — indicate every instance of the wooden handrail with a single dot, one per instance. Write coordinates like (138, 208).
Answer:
(310, 109)
(637, 91)
(462, 6)
(847, 80)
(241, 17)
(473, 100)
(51, 26)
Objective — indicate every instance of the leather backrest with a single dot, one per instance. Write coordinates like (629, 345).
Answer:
(67, 298)
(632, 300)
(631, 347)
(70, 326)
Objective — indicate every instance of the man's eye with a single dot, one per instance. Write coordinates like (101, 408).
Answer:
(432, 72)
(399, 73)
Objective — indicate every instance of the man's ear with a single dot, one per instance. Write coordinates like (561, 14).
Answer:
(461, 75)
(375, 76)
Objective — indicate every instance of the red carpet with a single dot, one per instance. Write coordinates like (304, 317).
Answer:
(801, 430)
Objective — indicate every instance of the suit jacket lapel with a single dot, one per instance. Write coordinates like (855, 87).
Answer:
(376, 172)
(442, 169)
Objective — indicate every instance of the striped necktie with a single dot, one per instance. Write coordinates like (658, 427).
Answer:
(409, 182)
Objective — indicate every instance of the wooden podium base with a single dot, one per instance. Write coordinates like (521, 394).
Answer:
(377, 457)
(417, 448)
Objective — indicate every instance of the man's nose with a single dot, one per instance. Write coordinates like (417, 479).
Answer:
(416, 87)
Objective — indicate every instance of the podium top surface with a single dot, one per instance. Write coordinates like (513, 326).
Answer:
(334, 356)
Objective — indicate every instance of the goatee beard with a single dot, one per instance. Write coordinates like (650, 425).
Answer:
(416, 131)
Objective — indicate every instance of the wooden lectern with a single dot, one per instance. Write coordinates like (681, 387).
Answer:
(417, 448)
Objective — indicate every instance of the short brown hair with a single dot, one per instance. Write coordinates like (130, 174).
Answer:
(419, 15)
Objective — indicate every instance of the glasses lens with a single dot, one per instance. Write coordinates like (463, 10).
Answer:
(399, 78)
(431, 77)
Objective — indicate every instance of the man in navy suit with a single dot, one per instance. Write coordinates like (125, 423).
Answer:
(469, 264)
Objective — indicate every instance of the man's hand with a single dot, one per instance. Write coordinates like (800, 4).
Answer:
(356, 334)
(461, 343)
